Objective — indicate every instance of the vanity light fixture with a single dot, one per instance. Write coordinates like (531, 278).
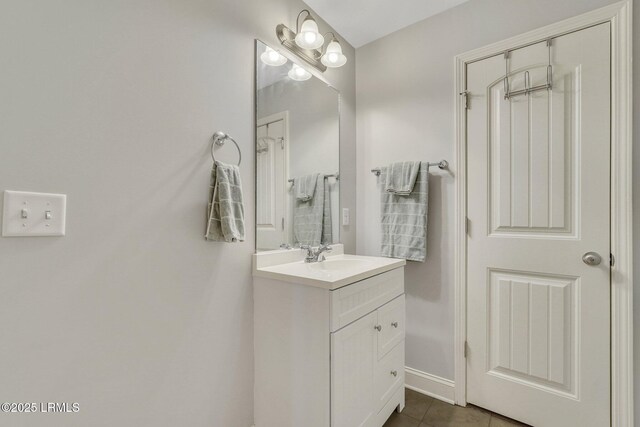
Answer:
(298, 73)
(272, 57)
(307, 42)
(308, 36)
(333, 56)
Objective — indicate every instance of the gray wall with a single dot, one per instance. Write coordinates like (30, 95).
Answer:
(405, 86)
(133, 314)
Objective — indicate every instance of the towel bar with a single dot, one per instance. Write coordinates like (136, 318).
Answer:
(219, 139)
(442, 164)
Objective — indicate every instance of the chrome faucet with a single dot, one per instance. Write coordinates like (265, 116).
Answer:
(317, 254)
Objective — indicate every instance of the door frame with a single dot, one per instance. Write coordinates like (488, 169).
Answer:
(284, 116)
(619, 15)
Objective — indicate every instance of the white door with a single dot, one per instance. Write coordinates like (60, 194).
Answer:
(353, 359)
(271, 180)
(538, 199)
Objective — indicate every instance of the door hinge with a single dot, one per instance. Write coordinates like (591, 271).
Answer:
(465, 350)
(466, 99)
(282, 143)
(466, 225)
(612, 260)
(283, 223)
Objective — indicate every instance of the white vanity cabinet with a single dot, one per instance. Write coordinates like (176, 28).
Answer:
(329, 355)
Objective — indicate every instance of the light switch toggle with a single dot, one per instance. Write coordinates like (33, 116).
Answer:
(24, 214)
(47, 215)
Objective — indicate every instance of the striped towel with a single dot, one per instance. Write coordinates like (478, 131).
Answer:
(312, 218)
(305, 187)
(225, 210)
(401, 177)
(327, 233)
(404, 219)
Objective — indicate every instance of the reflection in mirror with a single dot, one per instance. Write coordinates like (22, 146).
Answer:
(297, 155)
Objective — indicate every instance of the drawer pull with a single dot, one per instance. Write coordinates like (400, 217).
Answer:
(394, 373)
(394, 324)
(378, 328)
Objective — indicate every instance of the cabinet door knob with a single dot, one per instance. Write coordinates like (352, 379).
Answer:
(394, 324)
(378, 328)
(394, 373)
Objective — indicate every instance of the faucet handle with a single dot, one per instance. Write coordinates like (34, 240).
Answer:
(307, 248)
(326, 247)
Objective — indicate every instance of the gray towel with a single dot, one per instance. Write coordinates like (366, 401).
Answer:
(225, 210)
(401, 177)
(305, 187)
(327, 232)
(404, 219)
(312, 218)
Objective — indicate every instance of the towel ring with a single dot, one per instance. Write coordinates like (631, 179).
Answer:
(219, 139)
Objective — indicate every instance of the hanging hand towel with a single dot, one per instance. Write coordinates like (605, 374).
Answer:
(404, 219)
(401, 177)
(308, 216)
(305, 187)
(225, 209)
(327, 226)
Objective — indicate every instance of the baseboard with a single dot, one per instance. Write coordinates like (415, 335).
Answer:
(431, 385)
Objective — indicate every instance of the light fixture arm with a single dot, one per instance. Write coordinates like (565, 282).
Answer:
(298, 19)
(333, 37)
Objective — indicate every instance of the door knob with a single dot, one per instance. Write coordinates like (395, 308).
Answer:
(394, 324)
(591, 258)
(378, 328)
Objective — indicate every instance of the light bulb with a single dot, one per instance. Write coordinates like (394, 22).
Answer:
(272, 57)
(309, 37)
(298, 73)
(333, 56)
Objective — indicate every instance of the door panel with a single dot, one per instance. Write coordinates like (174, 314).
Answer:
(532, 163)
(538, 198)
(271, 217)
(541, 308)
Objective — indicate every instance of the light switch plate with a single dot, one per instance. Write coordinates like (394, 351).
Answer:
(28, 214)
(345, 216)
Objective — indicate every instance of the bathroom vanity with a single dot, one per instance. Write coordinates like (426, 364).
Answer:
(329, 339)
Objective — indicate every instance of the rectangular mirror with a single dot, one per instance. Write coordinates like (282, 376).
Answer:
(297, 155)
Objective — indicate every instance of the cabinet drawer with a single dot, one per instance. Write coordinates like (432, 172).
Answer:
(391, 325)
(351, 302)
(389, 375)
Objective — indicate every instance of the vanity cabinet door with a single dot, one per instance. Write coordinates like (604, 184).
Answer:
(353, 363)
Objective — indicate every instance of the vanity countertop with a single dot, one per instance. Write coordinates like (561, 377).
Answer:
(336, 271)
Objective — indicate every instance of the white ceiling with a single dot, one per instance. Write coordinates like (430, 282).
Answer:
(363, 21)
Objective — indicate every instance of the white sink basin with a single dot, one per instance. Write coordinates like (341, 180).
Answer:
(336, 271)
(339, 264)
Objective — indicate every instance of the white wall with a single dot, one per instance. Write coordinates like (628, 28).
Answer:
(133, 314)
(405, 110)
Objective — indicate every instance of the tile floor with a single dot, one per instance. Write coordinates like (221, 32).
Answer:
(425, 411)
